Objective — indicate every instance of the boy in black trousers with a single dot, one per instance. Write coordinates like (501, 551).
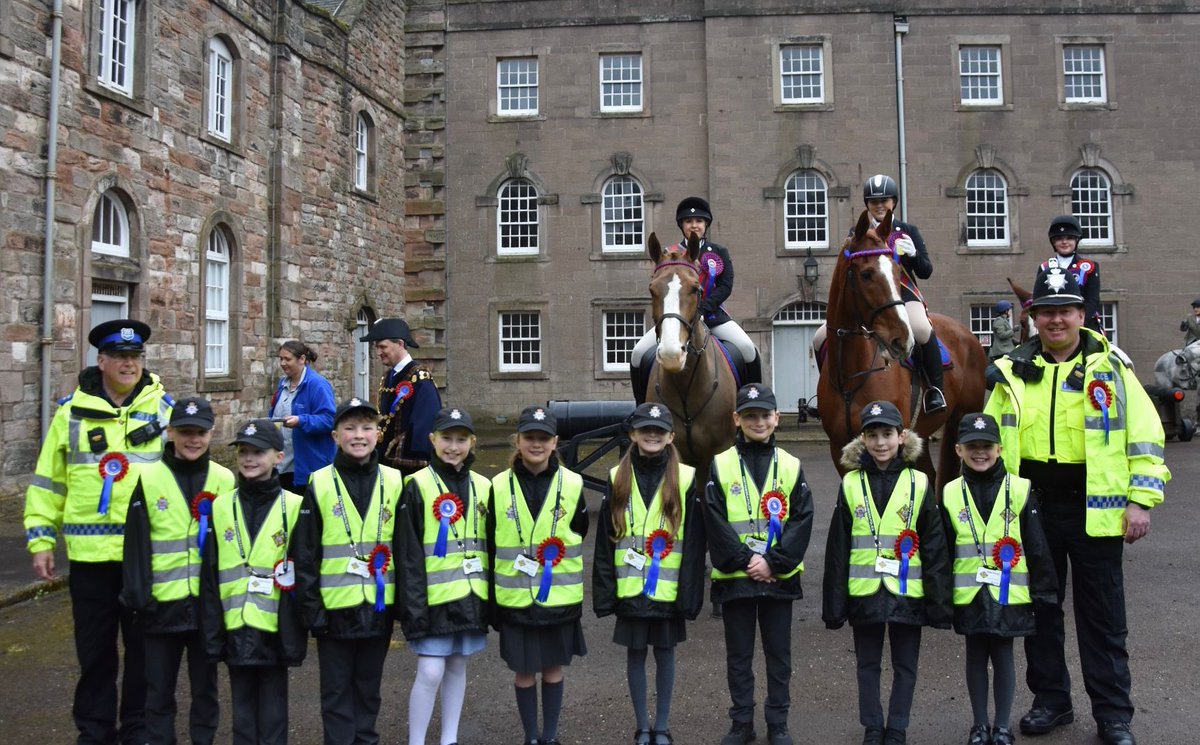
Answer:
(758, 515)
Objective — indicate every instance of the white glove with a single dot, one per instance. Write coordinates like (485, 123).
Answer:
(905, 246)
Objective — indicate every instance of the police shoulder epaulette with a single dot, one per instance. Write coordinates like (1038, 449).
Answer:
(65, 399)
(422, 374)
(167, 398)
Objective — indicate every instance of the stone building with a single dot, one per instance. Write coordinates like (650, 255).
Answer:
(574, 128)
(231, 172)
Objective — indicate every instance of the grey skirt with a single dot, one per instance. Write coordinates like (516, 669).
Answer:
(639, 633)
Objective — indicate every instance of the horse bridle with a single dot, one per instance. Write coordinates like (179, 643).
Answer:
(689, 324)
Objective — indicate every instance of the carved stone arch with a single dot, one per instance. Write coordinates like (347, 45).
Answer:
(516, 165)
(621, 164)
(1090, 157)
(804, 158)
(363, 302)
(986, 158)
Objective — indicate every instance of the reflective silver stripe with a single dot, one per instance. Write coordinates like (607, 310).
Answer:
(742, 527)
(1097, 422)
(446, 576)
(670, 574)
(862, 541)
(968, 580)
(965, 551)
(1008, 420)
(341, 551)
(1144, 448)
(479, 546)
(345, 579)
(176, 546)
(42, 482)
(511, 554)
(175, 575)
(232, 575)
(265, 603)
(860, 571)
(90, 458)
(524, 581)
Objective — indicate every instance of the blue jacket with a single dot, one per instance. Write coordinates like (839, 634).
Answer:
(312, 444)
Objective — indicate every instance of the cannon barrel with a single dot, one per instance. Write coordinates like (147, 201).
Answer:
(577, 417)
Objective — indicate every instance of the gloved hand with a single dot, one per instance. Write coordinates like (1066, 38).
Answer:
(905, 245)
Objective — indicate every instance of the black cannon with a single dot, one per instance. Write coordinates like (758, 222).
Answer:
(1168, 399)
(587, 431)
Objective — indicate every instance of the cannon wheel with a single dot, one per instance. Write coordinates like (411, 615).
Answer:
(1187, 429)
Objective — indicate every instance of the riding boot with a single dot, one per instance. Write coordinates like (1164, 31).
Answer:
(638, 380)
(931, 360)
(754, 370)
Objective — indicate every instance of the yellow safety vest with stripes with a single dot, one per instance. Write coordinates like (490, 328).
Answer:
(347, 536)
(968, 545)
(243, 582)
(446, 577)
(641, 520)
(867, 545)
(519, 533)
(743, 499)
(174, 551)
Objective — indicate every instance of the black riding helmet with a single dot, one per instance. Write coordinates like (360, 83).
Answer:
(693, 207)
(880, 186)
(1065, 225)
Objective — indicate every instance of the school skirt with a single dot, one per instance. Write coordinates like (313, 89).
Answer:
(529, 649)
(639, 633)
(465, 643)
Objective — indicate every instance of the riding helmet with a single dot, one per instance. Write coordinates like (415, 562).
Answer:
(693, 207)
(1001, 307)
(1196, 303)
(1065, 225)
(880, 186)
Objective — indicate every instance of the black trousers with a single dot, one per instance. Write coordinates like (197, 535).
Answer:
(260, 704)
(164, 652)
(99, 617)
(774, 621)
(1098, 595)
(351, 675)
(868, 652)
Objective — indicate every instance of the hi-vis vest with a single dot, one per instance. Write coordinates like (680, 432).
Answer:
(445, 580)
(174, 551)
(346, 535)
(964, 514)
(519, 532)
(269, 547)
(743, 499)
(65, 492)
(900, 513)
(644, 521)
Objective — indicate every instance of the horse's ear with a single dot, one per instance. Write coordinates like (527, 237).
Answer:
(884, 229)
(1018, 290)
(654, 247)
(693, 248)
(864, 224)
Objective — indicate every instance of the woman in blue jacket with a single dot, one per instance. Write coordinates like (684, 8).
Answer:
(303, 403)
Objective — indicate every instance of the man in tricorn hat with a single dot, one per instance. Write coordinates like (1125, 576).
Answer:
(89, 463)
(408, 397)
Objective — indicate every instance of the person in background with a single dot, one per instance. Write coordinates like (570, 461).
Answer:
(1065, 233)
(408, 398)
(1190, 326)
(303, 403)
(1002, 330)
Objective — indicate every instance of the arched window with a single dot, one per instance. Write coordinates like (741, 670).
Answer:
(623, 215)
(806, 198)
(110, 226)
(364, 152)
(517, 218)
(987, 209)
(216, 302)
(220, 90)
(1091, 202)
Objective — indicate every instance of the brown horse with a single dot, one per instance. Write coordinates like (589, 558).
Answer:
(1024, 319)
(869, 335)
(690, 375)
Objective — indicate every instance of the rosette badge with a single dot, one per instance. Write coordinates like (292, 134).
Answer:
(774, 509)
(549, 554)
(447, 510)
(1101, 397)
(404, 391)
(907, 544)
(113, 468)
(379, 560)
(1006, 554)
(201, 513)
(658, 546)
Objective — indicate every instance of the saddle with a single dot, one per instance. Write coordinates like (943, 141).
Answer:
(733, 357)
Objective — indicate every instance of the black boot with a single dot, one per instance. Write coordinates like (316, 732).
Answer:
(638, 380)
(931, 360)
(754, 370)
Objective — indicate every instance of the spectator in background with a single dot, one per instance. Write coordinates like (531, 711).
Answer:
(303, 403)
(1002, 330)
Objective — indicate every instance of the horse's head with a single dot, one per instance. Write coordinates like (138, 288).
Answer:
(675, 292)
(869, 272)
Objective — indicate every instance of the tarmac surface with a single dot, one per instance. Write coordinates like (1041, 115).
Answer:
(38, 667)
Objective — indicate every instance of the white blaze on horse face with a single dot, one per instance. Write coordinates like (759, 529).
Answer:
(889, 276)
(670, 350)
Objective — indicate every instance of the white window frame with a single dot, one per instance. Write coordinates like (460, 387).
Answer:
(1069, 73)
(972, 75)
(796, 79)
(1097, 221)
(362, 151)
(792, 205)
(520, 213)
(116, 39)
(510, 321)
(1108, 320)
(362, 356)
(517, 89)
(618, 347)
(622, 215)
(112, 294)
(110, 226)
(220, 90)
(217, 262)
(980, 324)
(993, 225)
(621, 82)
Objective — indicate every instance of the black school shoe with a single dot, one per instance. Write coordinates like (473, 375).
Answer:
(778, 735)
(1041, 720)
(1115, 733)
(894, 736)
(1002, 736)
(642, 737)
(979, 735)
(740, 734)
(661, 737)
(873, 736)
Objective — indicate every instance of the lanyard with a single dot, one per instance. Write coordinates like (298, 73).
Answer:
(971, 520)
(512, 493)
(639, 546)
(870, 504)
(346, 521)
(774, 468)
(466, 509)
(237, 530)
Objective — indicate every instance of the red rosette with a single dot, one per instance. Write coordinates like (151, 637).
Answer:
(114, 466)
(447, 506)
(914, 540)
(1099, 394)
(404, 390)
(712, 263)
(380, 553)
(202, 504)
(285, 578)
(1007, 543)
(767, 503)
(664, 539)
(558, 549)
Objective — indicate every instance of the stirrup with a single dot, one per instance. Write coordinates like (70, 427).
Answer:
(934, 400)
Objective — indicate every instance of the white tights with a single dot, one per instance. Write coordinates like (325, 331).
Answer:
(450, 673)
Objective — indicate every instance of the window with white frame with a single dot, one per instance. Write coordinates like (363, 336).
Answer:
(987, 209)
(981, 324)
(1108, 320)
(517, 87)
(110, 226)
(1091, 202)
(801, 314)
(520, 341)
(802, 73)
(216, 303)
(116, 37)
(362, 355)
(110, 301)
(364, 140)
(220, 89)
(622, 330)
(1083, 74)
(621, 82)
(806, 200)
(517, 218)
(622, 215)
(979, 75)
